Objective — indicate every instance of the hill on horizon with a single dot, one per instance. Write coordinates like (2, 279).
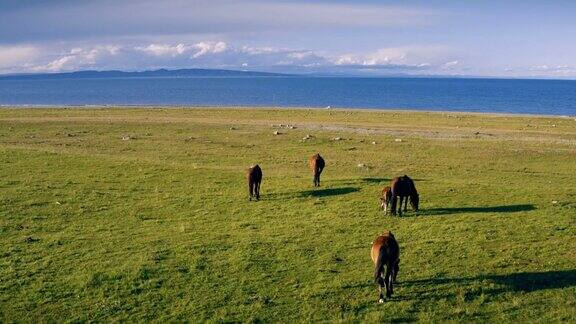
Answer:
(89, 74)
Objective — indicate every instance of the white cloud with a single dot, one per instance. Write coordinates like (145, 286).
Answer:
(553, 68)
(542, 71)
(451, 64)
(410, 55)
(79, 58)
(164, 49)
(209, 48)
(12, 57)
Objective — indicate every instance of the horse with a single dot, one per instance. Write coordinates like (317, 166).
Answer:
(317, 164)
(254, 175)
(404, 188)
(385, 252)
(385, 199)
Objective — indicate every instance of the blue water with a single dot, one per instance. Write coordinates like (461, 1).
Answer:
(550, 97)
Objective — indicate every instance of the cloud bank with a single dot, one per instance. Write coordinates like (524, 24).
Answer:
(219, 54)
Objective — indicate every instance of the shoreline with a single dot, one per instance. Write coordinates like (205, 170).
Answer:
(339, 109)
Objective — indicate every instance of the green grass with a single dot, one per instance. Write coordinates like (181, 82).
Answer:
(159, 226)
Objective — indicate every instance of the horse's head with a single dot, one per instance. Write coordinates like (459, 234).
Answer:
(383, 202)
(414, 200)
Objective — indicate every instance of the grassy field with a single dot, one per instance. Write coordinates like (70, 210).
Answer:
(143, 214)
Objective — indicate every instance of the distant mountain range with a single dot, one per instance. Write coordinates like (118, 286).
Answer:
(181, 73)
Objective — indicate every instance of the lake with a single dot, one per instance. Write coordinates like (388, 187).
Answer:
(549, 97)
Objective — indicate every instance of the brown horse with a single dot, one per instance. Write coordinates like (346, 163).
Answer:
(254, 175)
(385, 252)
(385, 199)
(317, 164)
(404, 188)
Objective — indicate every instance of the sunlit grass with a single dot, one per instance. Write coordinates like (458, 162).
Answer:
(141, 214)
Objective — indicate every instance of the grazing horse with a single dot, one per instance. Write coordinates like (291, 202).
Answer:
(385, 252)
(385, 199)
(317, 164)
(404, 188)
(254, 175)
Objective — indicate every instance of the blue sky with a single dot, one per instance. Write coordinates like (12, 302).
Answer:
(480, 38)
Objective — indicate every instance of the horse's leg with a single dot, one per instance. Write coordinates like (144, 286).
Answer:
(257, 189)
(393, 204)
(406, 204)
(380, 282)
(395, 270)
(250, 190)
(400, 206)
(378, 274)
(387, 280)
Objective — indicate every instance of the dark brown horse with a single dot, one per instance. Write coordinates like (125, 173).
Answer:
(385, 199)
(254, 175)
(317, 164)
(404, 188)
(385, 252)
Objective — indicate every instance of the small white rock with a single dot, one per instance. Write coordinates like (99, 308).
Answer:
(361, 165)
(276, 133)
(554, 202)
(337, 138)
(398, 140)
(373, 143)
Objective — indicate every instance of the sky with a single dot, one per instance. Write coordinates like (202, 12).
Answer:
(363, 37)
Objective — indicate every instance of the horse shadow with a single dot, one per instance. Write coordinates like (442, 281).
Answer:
(383, 181)
(375, 180)
(515, 282)
(485, 209)
(312, 193)
(328, 192)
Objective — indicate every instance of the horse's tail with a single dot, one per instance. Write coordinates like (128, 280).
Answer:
(382, 257)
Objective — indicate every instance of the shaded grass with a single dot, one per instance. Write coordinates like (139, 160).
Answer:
(159, 227)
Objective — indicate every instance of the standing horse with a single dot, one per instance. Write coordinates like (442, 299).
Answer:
(404, 188)
(385, 199)
(385, 252)
(317, 164)
(254, 175)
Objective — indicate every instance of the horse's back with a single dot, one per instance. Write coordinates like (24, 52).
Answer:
(316, 162)
(402, 186)
(254, 173)
(387, 242)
